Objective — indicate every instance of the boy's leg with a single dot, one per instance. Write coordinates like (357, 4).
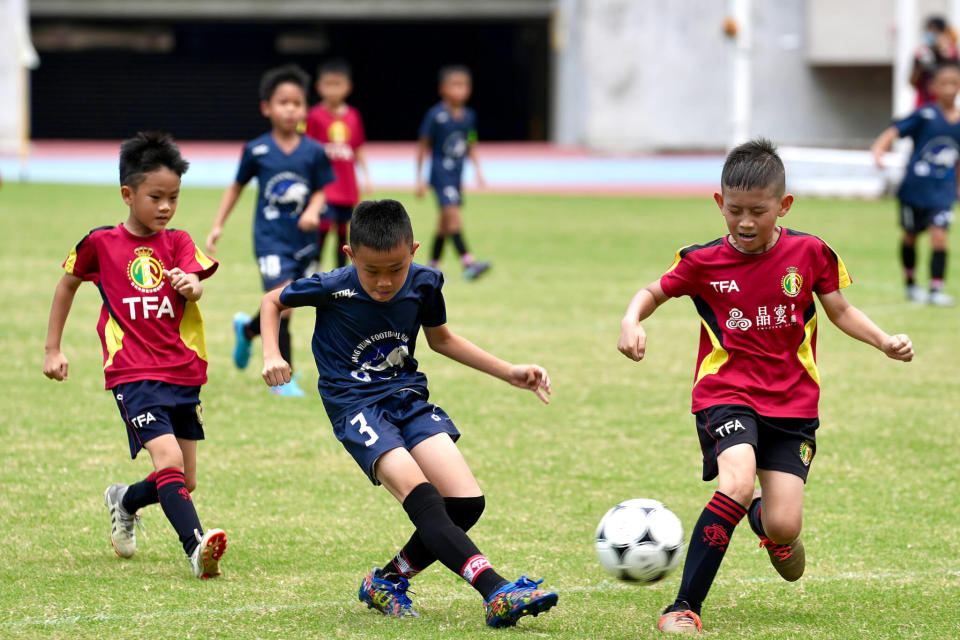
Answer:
(776, 516)
(172, 490)
(938, 266)
(326, 223)
(908, 257)
(342, 238)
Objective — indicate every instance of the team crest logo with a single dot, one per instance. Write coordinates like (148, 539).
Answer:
(200, 413)
(145, 271)
(338, 131)
(716, 536)
(806, 452)
(792, 282)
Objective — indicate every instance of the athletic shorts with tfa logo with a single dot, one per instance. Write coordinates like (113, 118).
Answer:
(916, 219)
(780, 444)
(402, 420)
(151, 408)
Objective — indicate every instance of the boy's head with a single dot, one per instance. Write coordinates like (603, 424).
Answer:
(753, 195)
(283, 97)
(455, 84)
(381, 247)
(945, 83)
(150, 170)
(334, 81)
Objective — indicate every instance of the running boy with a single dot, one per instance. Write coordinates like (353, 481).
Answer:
(929, 186)
(757, 388)
(154, 353)
(368, 317)
(339, 128)
(291, 171)
(449, 130)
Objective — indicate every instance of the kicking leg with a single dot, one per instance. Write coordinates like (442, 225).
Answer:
(776, 515)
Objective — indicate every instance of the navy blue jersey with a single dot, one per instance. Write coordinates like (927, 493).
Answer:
(286, 184)
(364, 348)
(931, 177)
(450, 140)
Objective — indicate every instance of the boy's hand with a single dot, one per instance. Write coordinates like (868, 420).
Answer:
(633, 341)
(367, 187)
(308, 221)
(532, 377)
(898, 347)
(421, 189)
(481, 181)
(212, 238)
(55, 365)
(276, 371)
(186, 284)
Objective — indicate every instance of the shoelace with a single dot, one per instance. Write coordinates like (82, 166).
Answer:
(398, 590)
(687, 619)
(781, 551)
(525, 583)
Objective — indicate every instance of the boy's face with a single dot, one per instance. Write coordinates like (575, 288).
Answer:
(946, 85)
(334, 87)
(456, 88)
(751, 216)
(286, 108)
(153, 202)
(382, 273)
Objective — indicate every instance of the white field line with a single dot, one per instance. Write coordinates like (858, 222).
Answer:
(133, 618)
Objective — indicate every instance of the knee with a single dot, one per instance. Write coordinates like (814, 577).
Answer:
(191, 483)
(782, 531)
(465, 512)
(737, 486)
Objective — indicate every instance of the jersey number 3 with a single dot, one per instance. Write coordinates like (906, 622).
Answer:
(365, 429)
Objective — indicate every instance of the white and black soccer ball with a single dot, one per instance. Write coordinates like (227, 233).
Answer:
(640, 541)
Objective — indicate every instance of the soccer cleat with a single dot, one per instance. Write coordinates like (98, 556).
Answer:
(788, 559)
(682, 621)
(206, 557)
(516, 599)
(289, 389)
(241, 349)
(123, 533)
(916, 294)
(476, 269)
(389, 598)
(940, 299)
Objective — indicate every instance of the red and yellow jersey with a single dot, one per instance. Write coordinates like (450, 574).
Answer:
(758, 334)
(340, 135)
(147, 329)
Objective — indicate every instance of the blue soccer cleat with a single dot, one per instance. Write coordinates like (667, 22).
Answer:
(476, 269)
(289, 389)
(516, 599)
(241, 350)
(389, 598)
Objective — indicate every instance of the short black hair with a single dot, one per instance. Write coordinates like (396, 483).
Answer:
(946, 64)
(148, 151)
(754, 165)
(380, 225)
(450, 69)
(937, 22)
(335, 65)
(278, 75)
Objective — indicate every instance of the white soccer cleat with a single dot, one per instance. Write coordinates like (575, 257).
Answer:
(916, 294)
(123, 534)
(941, 299)
(206, 557)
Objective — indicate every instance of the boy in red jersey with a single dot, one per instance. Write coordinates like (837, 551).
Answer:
(338, 126)
(757, 387)
(154, 352)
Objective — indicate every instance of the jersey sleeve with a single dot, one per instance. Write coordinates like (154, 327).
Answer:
(831, 273)
(433, 309)
(361, 135)
(910, 125)
(426, 127)
(680, 279)
(306, 292)
(83, 260)
(322, 171)
(191, 259)
(248, 166)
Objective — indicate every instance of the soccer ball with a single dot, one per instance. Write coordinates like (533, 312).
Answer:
(640, 540)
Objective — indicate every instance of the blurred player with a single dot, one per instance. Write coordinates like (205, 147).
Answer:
(449, 131)
(939, 46)
(291, 171)
(368, 318)
(929, 186)
(339, 128)
(154, 353)
(757, 387)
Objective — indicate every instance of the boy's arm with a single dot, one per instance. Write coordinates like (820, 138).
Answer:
(230, 197)
(186, 284)
(525, 376)
(475, 159)
(856, 324)
(309, 220)
(422, 145)
(633, 339)
(54, 362)
(882, 144)
(276, 370)
(360, 156)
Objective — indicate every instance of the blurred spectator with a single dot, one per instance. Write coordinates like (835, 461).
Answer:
(939, 45)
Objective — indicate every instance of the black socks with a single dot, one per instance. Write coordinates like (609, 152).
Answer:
(140, 494)
(178, 507)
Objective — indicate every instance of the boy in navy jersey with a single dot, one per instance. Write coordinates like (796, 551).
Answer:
(368, 317)
(929, 186)
(756, 388)
(291, 171)
(154, 354)
(449, 130)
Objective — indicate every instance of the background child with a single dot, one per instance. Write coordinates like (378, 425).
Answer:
(154, 353)
(757, 388)
(449, 130)
(368, 318)
(929, 186)
(291, 172)
(339, 128)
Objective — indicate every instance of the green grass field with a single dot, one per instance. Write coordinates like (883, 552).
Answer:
(882, 507)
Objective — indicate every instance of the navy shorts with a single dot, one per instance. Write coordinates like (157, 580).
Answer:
(276, 269)
(404, 419)
(780, 444)
(916, 219)
(151, 408)
(448, 194)
(337, 213)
